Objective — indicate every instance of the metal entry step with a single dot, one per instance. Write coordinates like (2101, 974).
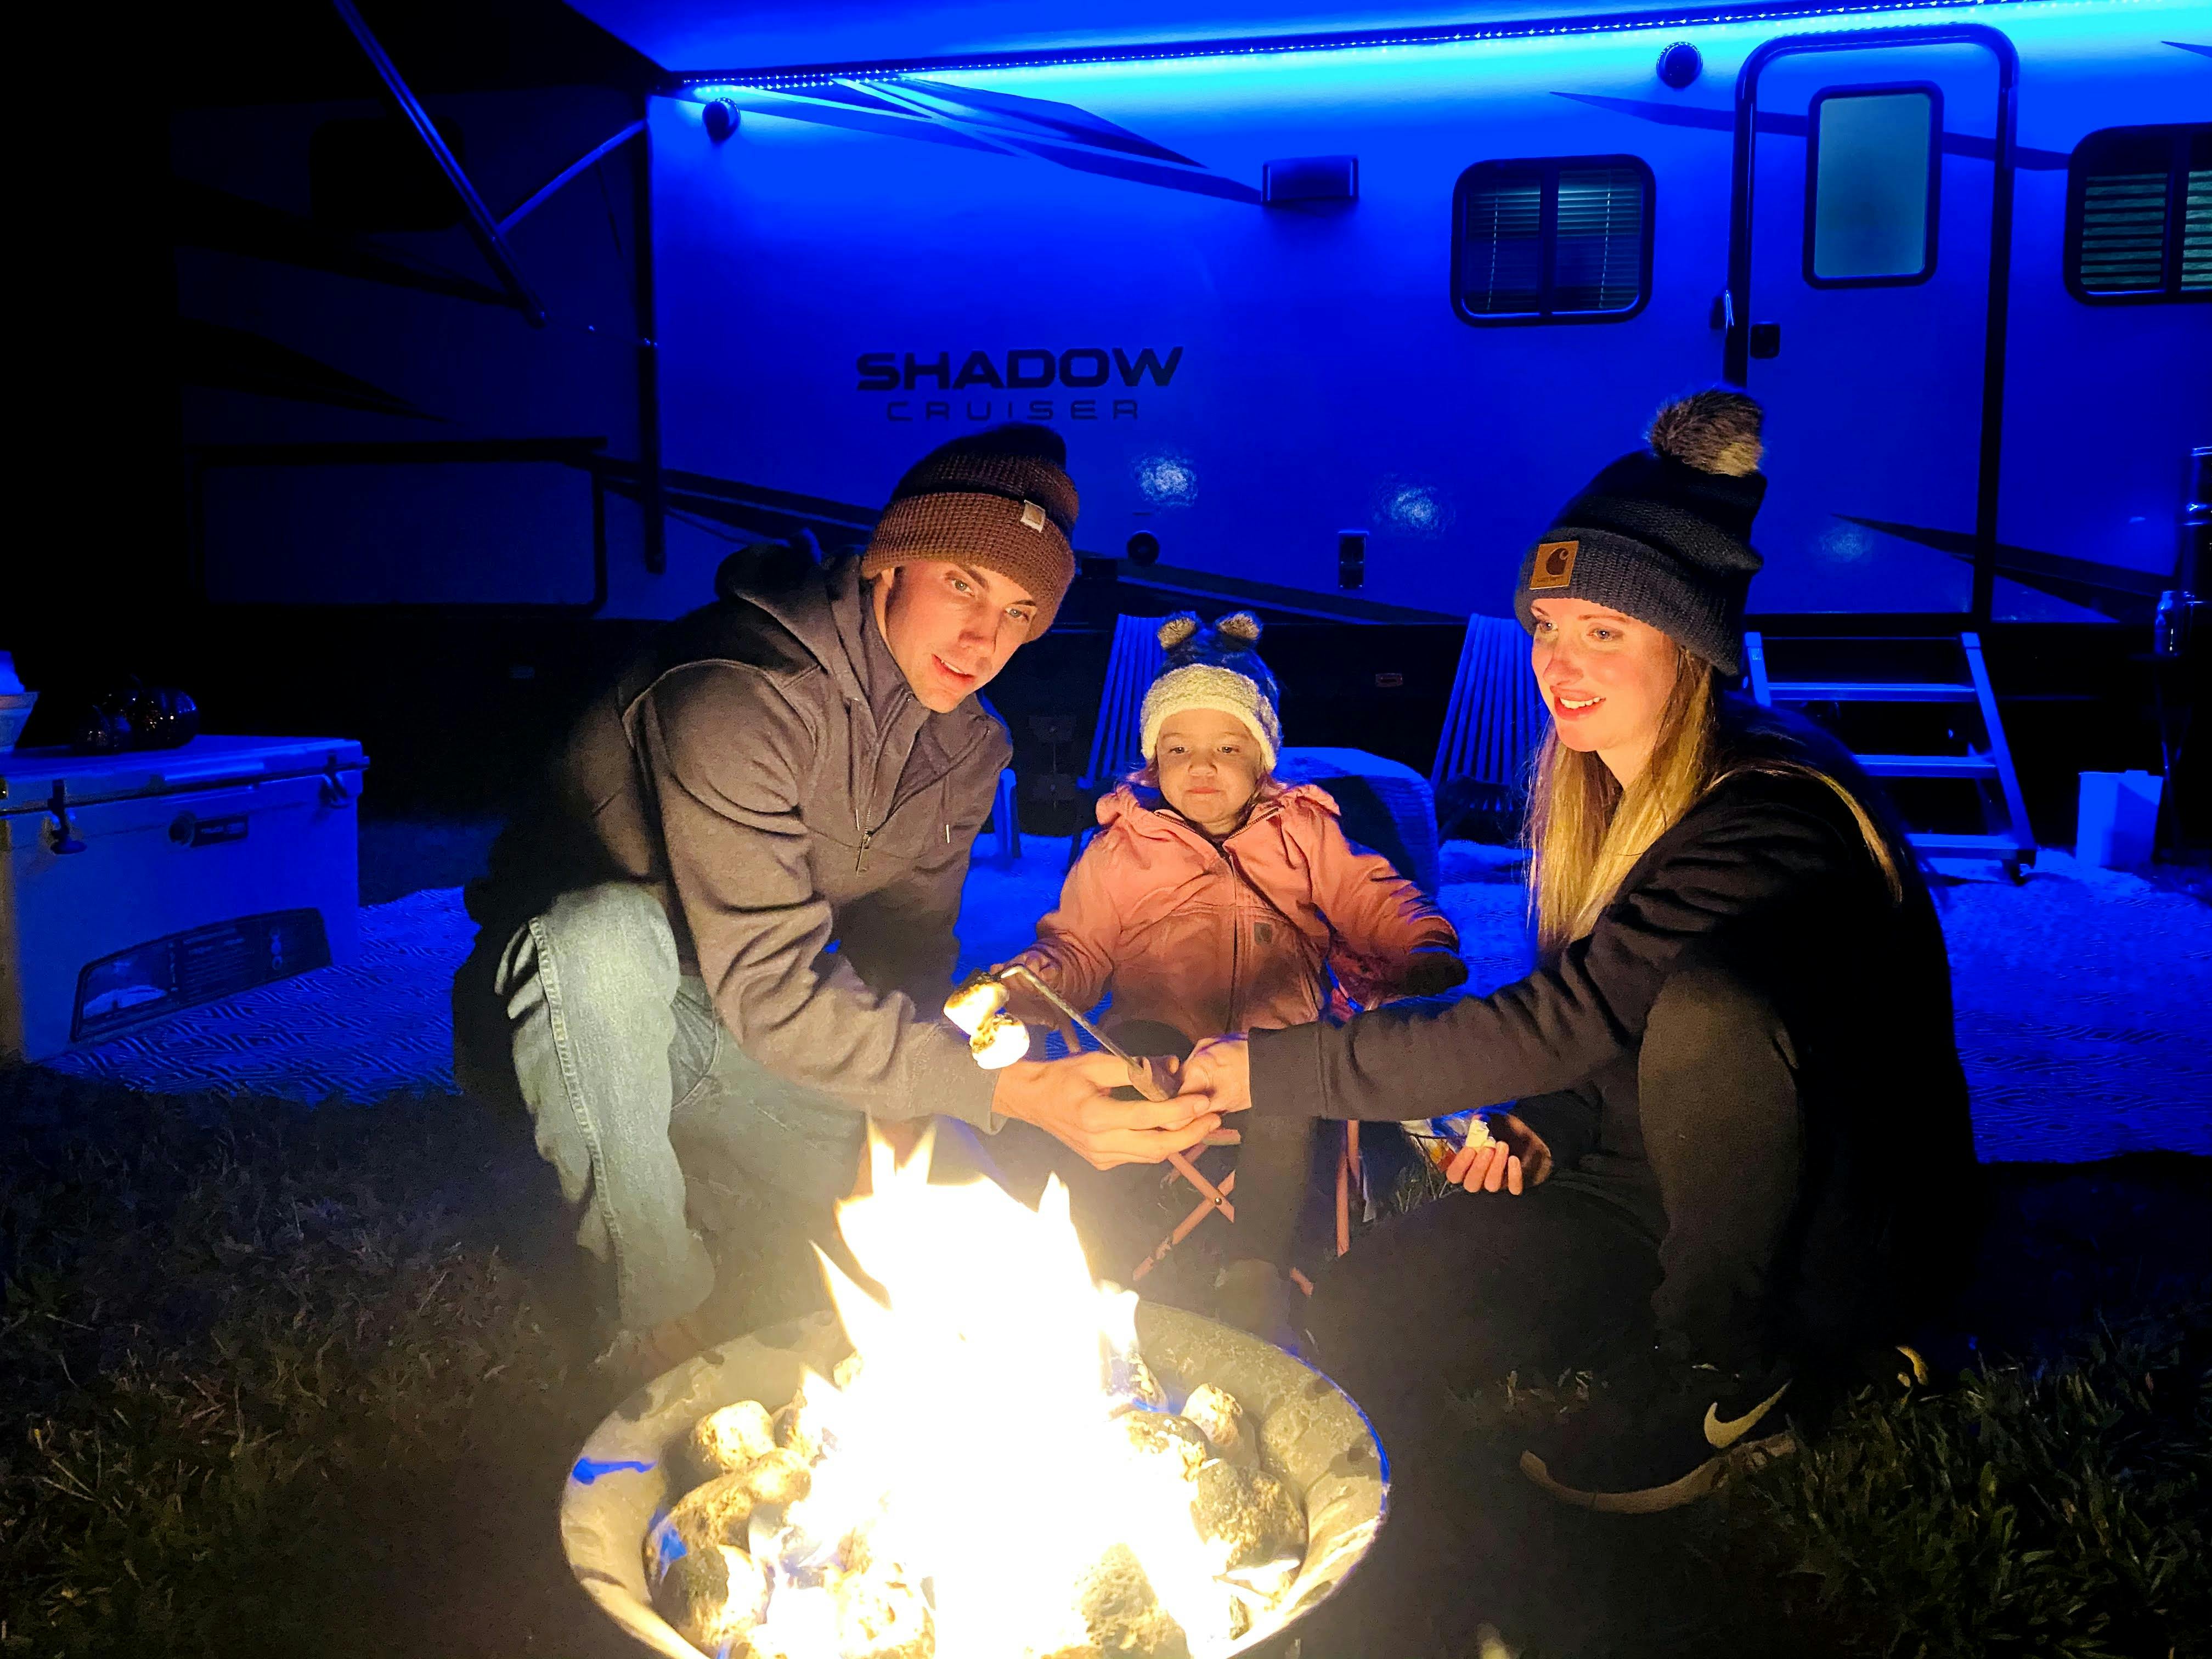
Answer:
(1987, 765)
(1929, 766)
(1867, 691)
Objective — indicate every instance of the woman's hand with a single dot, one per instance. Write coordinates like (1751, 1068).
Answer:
(1516, 1158)
(1218, 1074)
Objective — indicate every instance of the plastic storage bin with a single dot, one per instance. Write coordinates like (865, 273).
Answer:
(2118, 818)
(132, 886)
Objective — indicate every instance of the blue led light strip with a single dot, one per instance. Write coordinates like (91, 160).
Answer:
(814, 74)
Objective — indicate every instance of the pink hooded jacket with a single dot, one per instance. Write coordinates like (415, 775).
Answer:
(1234, 938)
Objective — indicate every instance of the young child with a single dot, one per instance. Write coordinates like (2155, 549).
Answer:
(1215, 899)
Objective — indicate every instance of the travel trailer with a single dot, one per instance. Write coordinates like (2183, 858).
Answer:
(1339, 315)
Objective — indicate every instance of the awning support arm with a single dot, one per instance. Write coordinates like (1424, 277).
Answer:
(536, 197)
(482, 227)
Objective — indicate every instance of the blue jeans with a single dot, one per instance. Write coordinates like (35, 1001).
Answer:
(657, 1124)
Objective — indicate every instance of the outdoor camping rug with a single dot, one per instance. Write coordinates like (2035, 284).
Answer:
(2081, 998)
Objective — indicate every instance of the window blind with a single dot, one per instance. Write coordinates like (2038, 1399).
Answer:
(1600, 260)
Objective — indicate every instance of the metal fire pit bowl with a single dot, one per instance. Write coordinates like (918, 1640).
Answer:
(1311, 1433)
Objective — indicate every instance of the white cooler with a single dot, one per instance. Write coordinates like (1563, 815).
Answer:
(132, 886)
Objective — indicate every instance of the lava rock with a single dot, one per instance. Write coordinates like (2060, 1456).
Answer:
(1122, 1614)
(1249, 1517)
(881, 1618)
(726, 1442)
(1130, 1382)
(716, 1513)
(1220, 1417)
(1162, 1434)
(779, 1477)
(713, 1597)
(795, 1432)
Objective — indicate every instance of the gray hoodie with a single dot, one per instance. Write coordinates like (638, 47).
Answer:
(805, 821)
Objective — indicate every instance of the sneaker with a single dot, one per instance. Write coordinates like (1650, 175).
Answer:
(1662, 1435)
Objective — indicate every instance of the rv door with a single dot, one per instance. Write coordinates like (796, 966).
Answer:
(1864, 312)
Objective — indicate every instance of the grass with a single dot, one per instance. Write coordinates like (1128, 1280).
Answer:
(2060, 1507)
(289, 1381)
(245, 1344)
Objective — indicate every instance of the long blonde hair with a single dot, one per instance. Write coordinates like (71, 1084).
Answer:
(1585, 832)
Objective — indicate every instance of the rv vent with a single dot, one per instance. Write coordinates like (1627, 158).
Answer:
(1310, 179)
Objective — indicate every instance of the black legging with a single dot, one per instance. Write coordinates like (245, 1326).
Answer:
(1274, 1163)
(1698, 1234)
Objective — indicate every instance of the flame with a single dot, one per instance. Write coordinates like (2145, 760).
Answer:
(976, 1448)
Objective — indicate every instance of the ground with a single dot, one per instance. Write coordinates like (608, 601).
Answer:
(284, 1378)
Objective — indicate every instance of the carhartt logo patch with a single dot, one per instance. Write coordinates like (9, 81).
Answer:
(1555, 564)
(1032, 516)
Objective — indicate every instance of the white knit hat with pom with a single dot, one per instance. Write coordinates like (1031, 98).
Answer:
(1216, 668)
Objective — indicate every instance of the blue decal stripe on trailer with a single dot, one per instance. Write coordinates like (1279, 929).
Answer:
(1143, 173)
(1970, 145)
(1070, 120)
(882, 121)
(1000, 122)
(2120, 591)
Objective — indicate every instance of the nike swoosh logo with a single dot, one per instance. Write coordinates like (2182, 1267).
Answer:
(1722, 1433)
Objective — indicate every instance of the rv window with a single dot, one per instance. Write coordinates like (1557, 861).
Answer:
(1562, 239)
(1870, 201)
(2139, 216)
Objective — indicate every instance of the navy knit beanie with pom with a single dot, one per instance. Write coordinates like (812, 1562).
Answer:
(1663, 534)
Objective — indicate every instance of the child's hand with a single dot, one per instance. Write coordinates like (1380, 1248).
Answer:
(1219, 1073)
(1431, 972)
(1027, 1004)
(1517, 1158)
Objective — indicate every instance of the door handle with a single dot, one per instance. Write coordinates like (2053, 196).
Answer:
(1766, 339)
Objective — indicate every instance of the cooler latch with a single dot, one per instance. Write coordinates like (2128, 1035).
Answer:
(62, 836)
(335, 792)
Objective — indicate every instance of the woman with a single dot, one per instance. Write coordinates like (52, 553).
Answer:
(1739, 1156)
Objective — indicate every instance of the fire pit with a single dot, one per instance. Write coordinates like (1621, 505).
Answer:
(978, 1432)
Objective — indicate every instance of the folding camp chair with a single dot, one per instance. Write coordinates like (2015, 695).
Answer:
(1117, 741)
(1495, 716)
(1212, 1197)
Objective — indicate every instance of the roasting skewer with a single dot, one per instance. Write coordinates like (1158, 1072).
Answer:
(981, 998)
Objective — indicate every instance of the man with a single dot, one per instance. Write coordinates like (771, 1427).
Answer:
(723, 939)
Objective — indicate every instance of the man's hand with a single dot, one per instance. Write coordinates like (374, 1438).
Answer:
(1516, 1158)
(1218, 1074)
(1073, 1100)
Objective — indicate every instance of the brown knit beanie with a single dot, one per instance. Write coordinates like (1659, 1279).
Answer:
(1000, 500)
